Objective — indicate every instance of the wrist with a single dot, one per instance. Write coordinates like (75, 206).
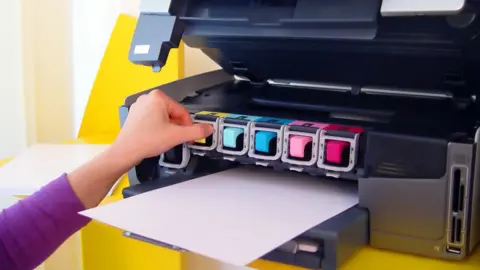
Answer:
(122, 156)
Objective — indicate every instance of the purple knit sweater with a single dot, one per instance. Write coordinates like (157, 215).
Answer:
(33, 228)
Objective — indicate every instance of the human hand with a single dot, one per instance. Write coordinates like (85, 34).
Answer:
(155, 124)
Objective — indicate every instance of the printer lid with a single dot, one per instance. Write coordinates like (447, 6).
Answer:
(341, 44)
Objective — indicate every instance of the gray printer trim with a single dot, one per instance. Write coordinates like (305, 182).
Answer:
(427, 210)
(475, 197)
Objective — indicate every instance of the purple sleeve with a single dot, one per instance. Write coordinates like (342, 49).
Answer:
(32, 229)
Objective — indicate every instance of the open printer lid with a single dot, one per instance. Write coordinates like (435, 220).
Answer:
(347, 45)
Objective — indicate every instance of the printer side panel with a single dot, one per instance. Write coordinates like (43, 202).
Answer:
(474, 228)
(424, 216)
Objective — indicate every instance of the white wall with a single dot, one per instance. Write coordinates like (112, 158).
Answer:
(12, 108)
(92, 23)
(47, 39)
(35, 73)
(50, 54)
(53, 53)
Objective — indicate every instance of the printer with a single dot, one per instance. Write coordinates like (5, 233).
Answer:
(379, 94)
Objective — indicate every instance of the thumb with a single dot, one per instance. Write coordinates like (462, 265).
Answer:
(193, 132)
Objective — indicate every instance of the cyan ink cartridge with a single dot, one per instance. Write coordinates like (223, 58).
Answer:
(266, 135)
(300, 143)
(338, 148)
(234, 130)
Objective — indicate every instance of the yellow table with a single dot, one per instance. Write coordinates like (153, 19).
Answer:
(105, 247)
(372, 259)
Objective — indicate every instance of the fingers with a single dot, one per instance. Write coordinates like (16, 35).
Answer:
(192, 132)
(177, 113)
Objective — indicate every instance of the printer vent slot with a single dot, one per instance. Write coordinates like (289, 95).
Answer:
(391, 169)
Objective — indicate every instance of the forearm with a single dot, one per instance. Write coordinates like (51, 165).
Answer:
(32, 229)
(92, 181)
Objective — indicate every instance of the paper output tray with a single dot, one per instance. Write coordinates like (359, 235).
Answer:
(326, 246)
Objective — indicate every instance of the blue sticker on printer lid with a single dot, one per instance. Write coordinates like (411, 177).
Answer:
(274, 120)
(242, 117)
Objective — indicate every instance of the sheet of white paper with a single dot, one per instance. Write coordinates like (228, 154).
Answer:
(415, 7)
(39, 164)
(235, 216)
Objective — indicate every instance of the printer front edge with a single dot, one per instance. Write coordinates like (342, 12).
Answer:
(405, 97)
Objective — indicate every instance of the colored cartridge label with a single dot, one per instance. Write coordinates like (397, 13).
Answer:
(337, 151)
(344, 128)
(201, 141)
(308, 124)
(217, 114)
(243, 117)
(281, 121)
